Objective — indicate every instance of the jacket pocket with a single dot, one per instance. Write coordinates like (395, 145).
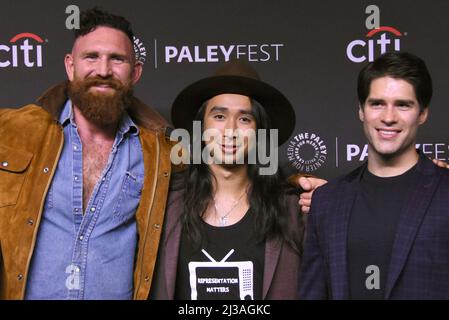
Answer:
(13, 166)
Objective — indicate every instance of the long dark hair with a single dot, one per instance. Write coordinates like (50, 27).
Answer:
(267, 197)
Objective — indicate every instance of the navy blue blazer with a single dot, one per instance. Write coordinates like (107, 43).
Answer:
(419, 266)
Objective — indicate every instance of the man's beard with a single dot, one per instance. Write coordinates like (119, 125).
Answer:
(101, 109)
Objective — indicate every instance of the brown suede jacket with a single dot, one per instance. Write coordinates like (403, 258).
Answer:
(31, 141)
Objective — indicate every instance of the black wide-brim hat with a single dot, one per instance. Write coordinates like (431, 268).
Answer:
(237, 77)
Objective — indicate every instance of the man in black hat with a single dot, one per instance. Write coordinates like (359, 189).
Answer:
(231, 232)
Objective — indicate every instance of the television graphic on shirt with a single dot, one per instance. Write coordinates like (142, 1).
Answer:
(220, 280)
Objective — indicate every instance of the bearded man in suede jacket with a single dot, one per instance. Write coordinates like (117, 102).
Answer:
(84, 177)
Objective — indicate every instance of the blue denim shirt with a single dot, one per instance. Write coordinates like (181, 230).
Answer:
(89, 256)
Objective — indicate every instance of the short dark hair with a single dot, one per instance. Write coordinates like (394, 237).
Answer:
(398, 65)
(96, 17)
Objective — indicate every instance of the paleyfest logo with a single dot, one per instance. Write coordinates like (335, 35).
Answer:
(359, 153)
(24, 49)
(262, 52)
(379, 39)
(307, 152)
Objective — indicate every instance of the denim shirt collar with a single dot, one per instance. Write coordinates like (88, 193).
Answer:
(126, 123)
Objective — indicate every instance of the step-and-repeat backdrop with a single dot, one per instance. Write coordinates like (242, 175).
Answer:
(310, 50)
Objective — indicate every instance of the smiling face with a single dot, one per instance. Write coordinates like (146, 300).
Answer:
(391, 116)
(231, 117)
(102, 71)
(105, 53)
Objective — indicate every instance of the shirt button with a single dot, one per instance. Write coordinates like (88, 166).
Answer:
(156, 226)
(75, 147)
(77, 270)
(147, 278)
(76, 210)
(81, 237)
(30, 222)
(92, 209)
(5, 164)
(46, 170)
(76, 178)
(20, 277)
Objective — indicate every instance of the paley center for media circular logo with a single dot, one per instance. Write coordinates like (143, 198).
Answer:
(140, 50)
(307, 152)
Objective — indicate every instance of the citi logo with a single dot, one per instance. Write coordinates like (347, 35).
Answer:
(379, 39)
(24, 49)
(360, 50)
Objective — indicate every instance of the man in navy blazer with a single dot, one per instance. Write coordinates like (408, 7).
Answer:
(382, 231)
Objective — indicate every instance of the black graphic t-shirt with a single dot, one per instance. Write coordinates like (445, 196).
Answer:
(230, 265)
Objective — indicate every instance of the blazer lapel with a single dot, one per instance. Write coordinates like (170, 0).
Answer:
(424, 183)
(338, 222)
(272, 253)
(171, 243)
